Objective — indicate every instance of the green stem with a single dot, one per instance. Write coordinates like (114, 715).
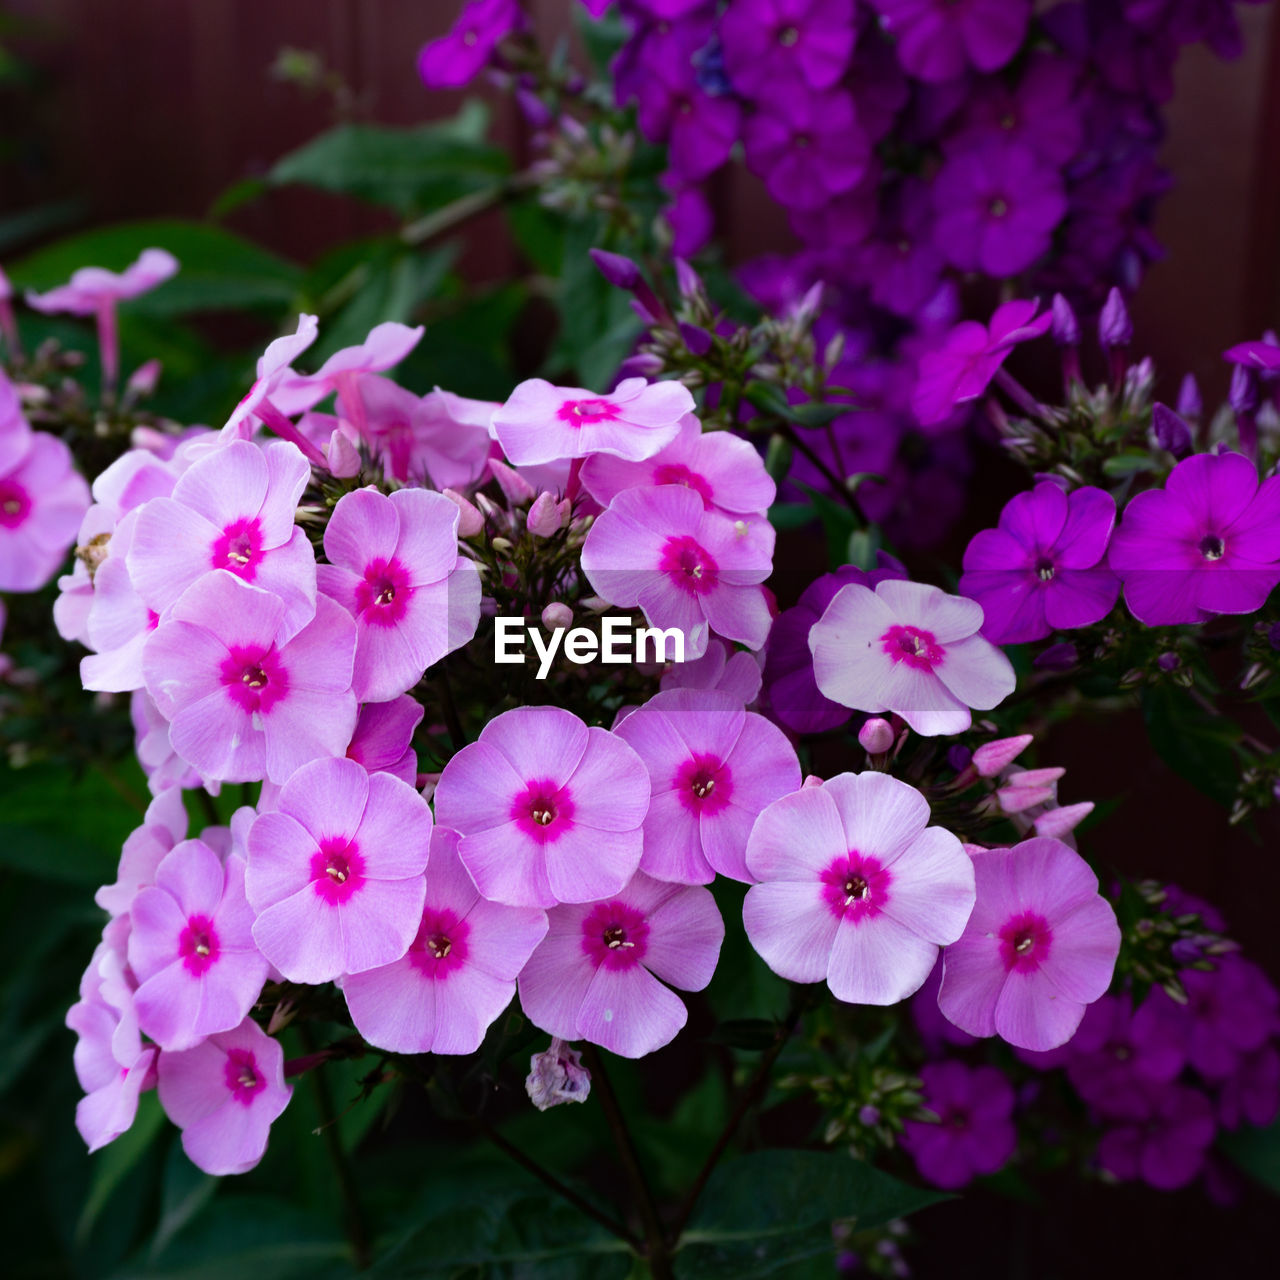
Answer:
(209, 807)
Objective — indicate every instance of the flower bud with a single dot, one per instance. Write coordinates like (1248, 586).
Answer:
(470, 521)
(993, 757)
(546, 515)
(1243, 393)
(557, 1075)
(620, 272)
(1065, 328)
(1189, 403)
(1061, 821)
(876, 736)
(1057, 657)
(1170, 431)
(688, 281)
(513, 485)
(811, 780)
(696, 338)
(1115, 329)
(1028, 788)
(342, 457)
(557, 615)
(143, 380)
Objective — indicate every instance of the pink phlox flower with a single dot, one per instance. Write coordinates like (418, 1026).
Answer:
(971, 353)
(712, 768)
(460, 970)
(1040, 946)
(549, 810)
(274, 372)
(224, 1095)
(163, 826)
(599, 973)
(247, 696)
(383, 738)
(335, 873)
(394, 565)
(724, 470)
(911, 649)
(686, 567)
(92, 288)
(232, 510)
(543, 423)
(165, 769)
(734, 671)
(855, 888)
(192, 950)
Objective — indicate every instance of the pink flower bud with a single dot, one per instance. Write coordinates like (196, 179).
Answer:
(876, 736)
(1027, 788)
(556, 615)
(812, 780)
(1060, 822)
(557, 1075)
(342, 456)
(546, 515)
(142, 381)
(470, 522)
(517, 489)
(990, 758)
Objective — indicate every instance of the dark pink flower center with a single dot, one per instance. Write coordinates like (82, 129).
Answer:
(856, 887)
(917, 648)
(15, 504)
(615, 935)
(383, 594)
(689, 565)
(579, 413)
(543, 811)
(678, 473)
(441, 944)
(242, 1076)
(254, 678)
(337, 870)
(198, 945)
(1025, 940)
(239, 548)
(704, 783)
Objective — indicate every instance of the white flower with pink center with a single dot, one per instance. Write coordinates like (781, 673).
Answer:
(394, 566)
(855, 888)
(662, 551)
(911, 649)
(599, 973)
(549, 810)
(712, 768)
(543, 423)
(459, 973)
(335, 871)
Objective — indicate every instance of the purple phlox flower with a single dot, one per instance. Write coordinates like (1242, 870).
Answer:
(1263, 355)
(246, 696)
(335, 872)
(911, 649)
(970, 356)
(880, 86)
(599, 973)
(996, 207)
(394, 566)
(661, 550)
(1190, 405)
(1167, 1144)
(712, 768)
(165, 769)
(1040, 946)
(1233, 1012)
(557, 1075)
(794, 699)
(1172, 432)
(735, 672)
(935, 1030)
(273, 374)
(846, 220)
(1206, 543)
(460, 970)
(1043, 569)
(192, 950)
(938, 39)
(383, 738)
(455, 59)
(902, 262)
(855, 888)
(974, 1133)
(781, 46)
(724, 470)
(163, 826)
(543, 423)
(224, 1094)
(549, 810)
(1251, 1094)
(659, 40)
(807, 147)
(1210, 22)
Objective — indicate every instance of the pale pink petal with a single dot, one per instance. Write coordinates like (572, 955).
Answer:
(685, 934)
(1032, 1014)
(791, 927)
(629, 1012)
(933, 887)
(882, 815)
(796, 837)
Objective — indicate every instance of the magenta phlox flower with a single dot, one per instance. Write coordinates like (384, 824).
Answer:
(901, 261)
(724, 470)
(163, 826)
(394, 566)
(855, 888)
(712, 768)
(1040, 946)
(224, 1095)
(1166, 1145)
(772, 45)
(599, 973)
(935, 1030)
(92, 288)
(542, 423)
(911, 649)
(335, 872)
(961, 369)
(1232, 1011)
(1043, 568)
(662, 551)
(938, 39)
(246, 696)
(460, 970)
(455, 59)
(192, 950)
(974, 1134)
(549, 810)
(1263, 355)
(383, 738)
(735, 672)
(1251, 1094)
(232, 510)
(1207, 543)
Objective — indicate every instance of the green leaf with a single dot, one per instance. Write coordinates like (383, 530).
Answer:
(17, 228)
(185, 1192)
(1257, 1152)
(745, 1033)
(770, 1209)
(115, 1162)
(1197, 746)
